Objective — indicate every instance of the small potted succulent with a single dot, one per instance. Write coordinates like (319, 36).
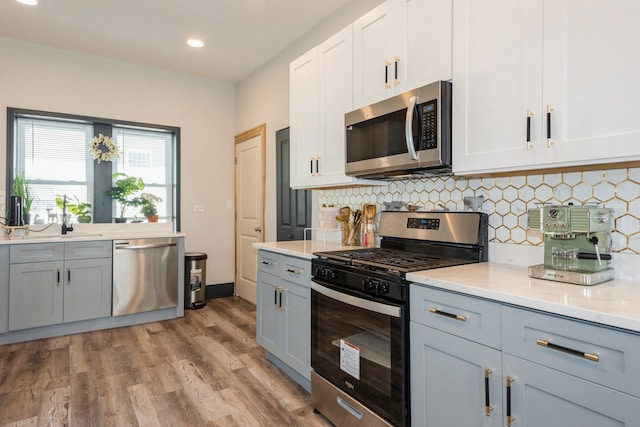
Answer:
(123, 190)
(81, 210)
(147, 203)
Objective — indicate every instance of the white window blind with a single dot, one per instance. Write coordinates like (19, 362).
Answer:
(53, 155)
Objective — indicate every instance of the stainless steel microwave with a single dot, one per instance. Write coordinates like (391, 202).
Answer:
(408, 134)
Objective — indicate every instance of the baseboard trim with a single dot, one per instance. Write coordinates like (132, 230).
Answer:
(219, 290)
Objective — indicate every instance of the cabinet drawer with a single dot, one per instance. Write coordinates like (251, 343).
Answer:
(88, 249)
(295, 270)
(36, 252)
(268, 262)
(468, 317)
(596, 353)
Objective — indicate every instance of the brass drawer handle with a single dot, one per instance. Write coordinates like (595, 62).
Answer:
(267, 262)
(594, 357)
(445, 314)
(289, 270)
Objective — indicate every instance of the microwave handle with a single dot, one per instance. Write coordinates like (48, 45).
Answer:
(408, 128)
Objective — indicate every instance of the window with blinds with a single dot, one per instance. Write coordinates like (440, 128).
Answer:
(51, 150)
(53, 156)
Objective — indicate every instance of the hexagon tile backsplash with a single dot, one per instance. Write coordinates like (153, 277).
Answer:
(508, 198)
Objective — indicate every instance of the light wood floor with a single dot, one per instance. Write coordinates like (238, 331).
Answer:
(201, 370)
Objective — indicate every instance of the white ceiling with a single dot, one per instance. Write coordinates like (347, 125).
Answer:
(239, 35)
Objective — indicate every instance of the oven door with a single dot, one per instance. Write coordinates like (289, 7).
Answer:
(359, 346)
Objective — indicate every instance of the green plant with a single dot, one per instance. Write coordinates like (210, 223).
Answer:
(147, 203)
(75, 207)
(125, 187)
(21, 187)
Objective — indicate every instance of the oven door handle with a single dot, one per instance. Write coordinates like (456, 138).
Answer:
(389, 310)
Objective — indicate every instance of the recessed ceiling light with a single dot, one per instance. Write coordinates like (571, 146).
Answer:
(28, 2)
(195, 43)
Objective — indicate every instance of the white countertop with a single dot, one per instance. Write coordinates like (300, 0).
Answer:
(52, 234)
(302, 248)
(614, 303)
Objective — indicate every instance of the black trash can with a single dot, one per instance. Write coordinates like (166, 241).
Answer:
(195, 279)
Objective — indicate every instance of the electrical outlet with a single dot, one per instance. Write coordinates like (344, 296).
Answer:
(229, 204)
(198, 208)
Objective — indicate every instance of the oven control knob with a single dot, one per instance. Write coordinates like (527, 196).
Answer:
(370, 286)
(332, 275)
(383, 289)
(320, 272)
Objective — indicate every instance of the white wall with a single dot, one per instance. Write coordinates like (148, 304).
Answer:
(42, 78)
(263, 97)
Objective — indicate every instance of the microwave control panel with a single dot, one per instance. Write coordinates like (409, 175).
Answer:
(429, 124)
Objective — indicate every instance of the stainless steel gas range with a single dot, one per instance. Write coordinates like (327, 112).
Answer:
(360, 313)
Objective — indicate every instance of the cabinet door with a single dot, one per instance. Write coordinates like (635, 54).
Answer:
(268, 315)
(541, 396)
(335, 59)
(448, 380)
(497, 63)
(4, 288)
(87, 290)
(591, 80)
(296, 303)
(425, 33)
(35, 294)
(303, 96)
(375, 39)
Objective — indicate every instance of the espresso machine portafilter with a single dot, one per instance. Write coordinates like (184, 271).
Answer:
(576, 243)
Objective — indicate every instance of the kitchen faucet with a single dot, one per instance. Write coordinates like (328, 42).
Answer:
(65, 228)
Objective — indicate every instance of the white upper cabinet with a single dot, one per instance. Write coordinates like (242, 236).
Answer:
(401, 45)
(320, 96)
(541, 84)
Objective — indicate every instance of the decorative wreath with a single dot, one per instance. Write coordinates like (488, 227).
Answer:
(103, 148)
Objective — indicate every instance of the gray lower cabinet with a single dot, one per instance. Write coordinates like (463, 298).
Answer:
(51, 283)
(283, 308)
(546, 370)
(4, 288)
(455, 358)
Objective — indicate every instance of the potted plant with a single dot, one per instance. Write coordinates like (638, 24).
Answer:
(81, 210)
(123, 190)
(147, 203)
(21, 187)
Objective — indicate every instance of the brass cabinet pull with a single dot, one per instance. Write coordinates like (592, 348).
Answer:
(594, 357)
(510, 418)
(267, 262)
(445, 314)
(396, 81)
(529, 115)
(386, 74)
(289, 270)
(549, 140)
(487, 404)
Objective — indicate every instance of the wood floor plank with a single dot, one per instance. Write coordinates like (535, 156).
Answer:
(205, 369)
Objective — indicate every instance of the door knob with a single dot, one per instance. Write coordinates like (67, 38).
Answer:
(258, 229)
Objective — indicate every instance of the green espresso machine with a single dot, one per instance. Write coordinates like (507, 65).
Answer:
(576, 243)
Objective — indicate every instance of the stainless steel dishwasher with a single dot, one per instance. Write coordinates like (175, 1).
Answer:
(145, 275)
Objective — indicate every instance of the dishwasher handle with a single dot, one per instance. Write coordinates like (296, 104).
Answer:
(126, 245)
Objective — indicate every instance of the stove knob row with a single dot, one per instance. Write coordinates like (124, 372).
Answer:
(373, 286)
(326, 273)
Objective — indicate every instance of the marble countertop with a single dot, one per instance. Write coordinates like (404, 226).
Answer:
(615, 303)
(302, 248)
(52, 234)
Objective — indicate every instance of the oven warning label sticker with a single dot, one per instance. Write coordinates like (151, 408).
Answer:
(350, 359)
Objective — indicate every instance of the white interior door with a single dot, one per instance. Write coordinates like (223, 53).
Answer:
(249, 195)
